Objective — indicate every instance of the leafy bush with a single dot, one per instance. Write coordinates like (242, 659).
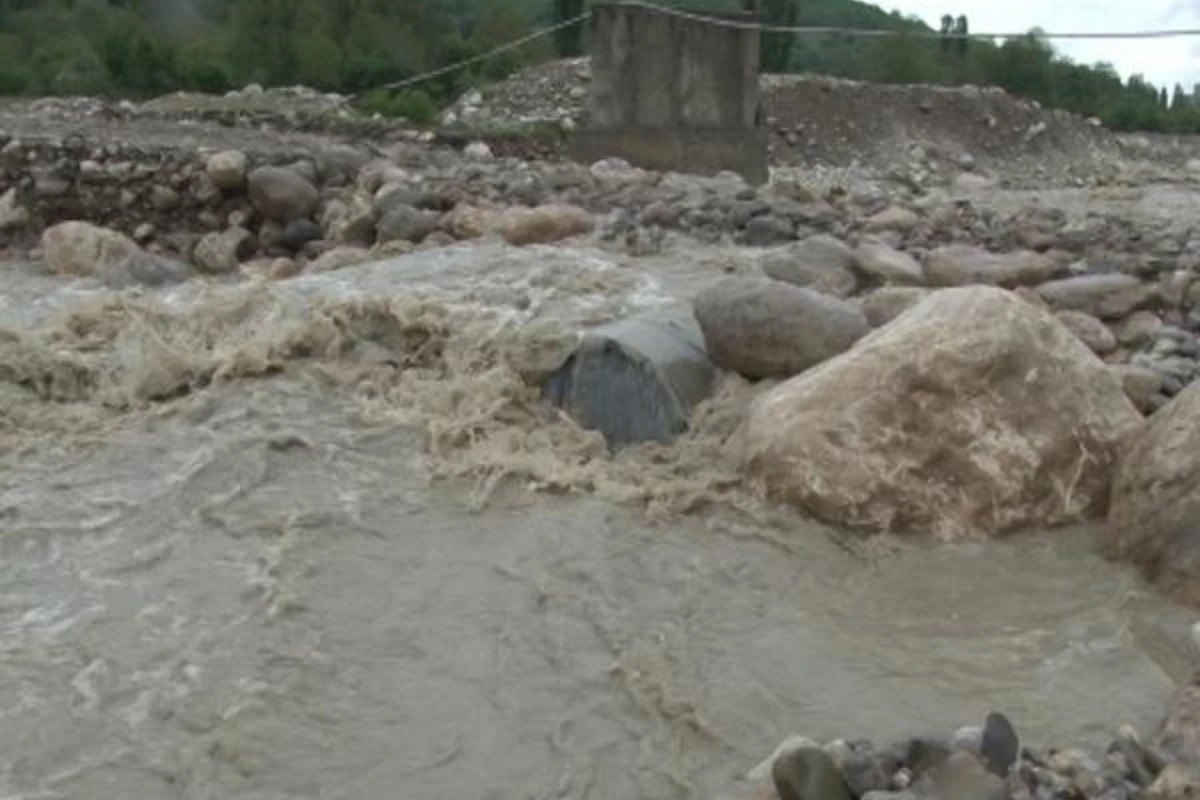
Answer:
(14, 79)
(415, 105)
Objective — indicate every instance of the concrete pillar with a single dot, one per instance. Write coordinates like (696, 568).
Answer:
(672, 93)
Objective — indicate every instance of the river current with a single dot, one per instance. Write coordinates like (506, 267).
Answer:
(317, 539)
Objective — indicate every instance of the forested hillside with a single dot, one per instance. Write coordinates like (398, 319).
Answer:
(143, 47)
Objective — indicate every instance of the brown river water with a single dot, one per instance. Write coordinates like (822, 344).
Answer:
(315, 539)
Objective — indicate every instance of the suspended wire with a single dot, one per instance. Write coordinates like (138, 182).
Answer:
(750, 25)
(495, 51)
(801, 30)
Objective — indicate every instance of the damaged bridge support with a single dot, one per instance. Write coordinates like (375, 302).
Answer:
(674, 93)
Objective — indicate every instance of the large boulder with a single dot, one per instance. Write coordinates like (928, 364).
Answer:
(764, 328)
(635, 380)
(1154, 519)
(973, 413)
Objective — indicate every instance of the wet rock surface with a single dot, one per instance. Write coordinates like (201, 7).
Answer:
(1154, 519)
(763, 328)
(960, 417)
(987, 762)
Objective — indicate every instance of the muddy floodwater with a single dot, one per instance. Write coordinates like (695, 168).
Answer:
(315, 539)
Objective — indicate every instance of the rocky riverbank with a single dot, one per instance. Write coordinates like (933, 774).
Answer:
(990, 762)
(924, 351)
(909, 132)
(979, 762)
(1126, 286)
(817, 268)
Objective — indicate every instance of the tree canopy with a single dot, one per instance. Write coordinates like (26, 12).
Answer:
(139, 48)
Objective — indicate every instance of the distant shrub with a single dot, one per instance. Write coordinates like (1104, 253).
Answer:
(202, 67)
(415, 106)
(14, 80)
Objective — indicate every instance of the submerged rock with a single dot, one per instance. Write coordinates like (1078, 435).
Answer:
(973, 413)
(634, 380)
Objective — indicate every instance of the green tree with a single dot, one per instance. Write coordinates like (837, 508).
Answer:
(944, 33)
(776, 46)
(497, 23)
(201, 65)
(1178, 97)
(142, 47)
(1022, 66)
(568, 40)
(899, 59)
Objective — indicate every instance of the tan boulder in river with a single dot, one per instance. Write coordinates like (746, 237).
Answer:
(972, 413)
(1154, 519)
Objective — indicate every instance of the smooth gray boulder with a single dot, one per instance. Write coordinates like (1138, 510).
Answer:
(635, 380)
(764, 328)
(282, 194)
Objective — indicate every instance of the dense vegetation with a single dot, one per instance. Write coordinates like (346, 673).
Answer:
(145, 47)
